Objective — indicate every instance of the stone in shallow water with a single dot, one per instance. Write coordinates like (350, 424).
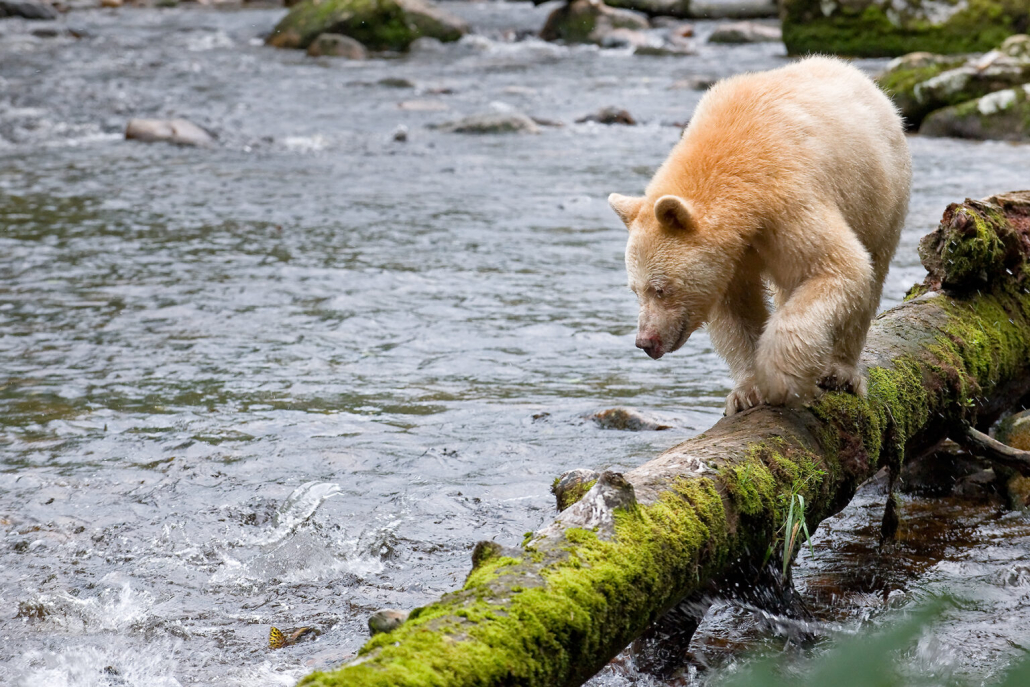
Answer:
(589, 21)
(377, 24)
(1003, 115)
(609, 115)
(626, 419)
(491, 123)
(386, 620)
(27, 9)
(337, 45)
(178, 131)
(746, 32)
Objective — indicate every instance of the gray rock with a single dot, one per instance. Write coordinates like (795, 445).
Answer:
(589, 21)
(626, 419)
(337, 45)
(609, 115)
(746, 32)
(386, 620)
(1002, 115)
(27, 9)
(491, 123)
(178, 131)
(377, 24)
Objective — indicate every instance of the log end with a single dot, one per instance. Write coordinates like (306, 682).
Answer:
(978, 242)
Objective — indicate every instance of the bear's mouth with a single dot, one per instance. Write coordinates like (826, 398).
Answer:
(681, 338)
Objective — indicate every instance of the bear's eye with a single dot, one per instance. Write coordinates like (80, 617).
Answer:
(659, 292)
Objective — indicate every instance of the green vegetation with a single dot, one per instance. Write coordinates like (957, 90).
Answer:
(864, 29)
(868, 660)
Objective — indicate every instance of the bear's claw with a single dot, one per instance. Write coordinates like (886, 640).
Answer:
(742, 398)
(843, 378)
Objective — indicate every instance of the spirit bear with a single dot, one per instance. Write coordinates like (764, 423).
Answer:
(794, 180)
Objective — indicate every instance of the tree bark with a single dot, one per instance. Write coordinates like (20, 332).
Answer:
(555, 610)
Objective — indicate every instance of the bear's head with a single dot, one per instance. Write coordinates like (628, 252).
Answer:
(675, 268)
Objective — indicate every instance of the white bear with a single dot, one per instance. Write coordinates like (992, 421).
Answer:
(795, 180)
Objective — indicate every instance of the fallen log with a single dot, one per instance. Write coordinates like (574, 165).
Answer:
(556, 609)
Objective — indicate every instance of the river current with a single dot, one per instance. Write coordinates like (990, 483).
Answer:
(292, 379)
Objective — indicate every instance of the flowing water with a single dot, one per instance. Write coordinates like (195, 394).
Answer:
(292, 379)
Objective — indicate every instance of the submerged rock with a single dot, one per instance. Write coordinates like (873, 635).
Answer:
(491, 123)
(27, 9)
(178, 131)
(1003, 115)
(627, 420)
(874, 28)
(746, 32)
(589, 21)
(337, 45)
(386, 620)
(376, 24)
(609, 115)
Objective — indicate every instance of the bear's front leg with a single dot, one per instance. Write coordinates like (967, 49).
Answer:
(796, 346)
(735, 325)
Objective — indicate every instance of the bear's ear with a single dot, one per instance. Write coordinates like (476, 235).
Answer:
(674, 213)
(625, 207)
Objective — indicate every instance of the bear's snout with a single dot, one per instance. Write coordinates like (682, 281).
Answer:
(651, 343)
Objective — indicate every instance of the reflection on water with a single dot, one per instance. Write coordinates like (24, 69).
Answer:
(293, 379)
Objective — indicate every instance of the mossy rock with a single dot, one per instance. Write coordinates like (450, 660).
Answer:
(589, 21)
(1002, 115)
(879, 28)
(377, 24)
(907, 72)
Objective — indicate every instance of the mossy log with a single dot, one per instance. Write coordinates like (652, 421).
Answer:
(555, 610)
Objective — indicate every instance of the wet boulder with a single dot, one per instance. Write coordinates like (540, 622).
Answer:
(920, 83)
(746, 32)
(626, 420)
(589, 21)
(904, 73)
(27, 9)
(491, 123)
(376, 24)
(874, 28)
(1002, 115)
(177, 131)
(337, 45)
(609, 115)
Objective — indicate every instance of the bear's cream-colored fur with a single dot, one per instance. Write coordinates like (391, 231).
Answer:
(795, 179)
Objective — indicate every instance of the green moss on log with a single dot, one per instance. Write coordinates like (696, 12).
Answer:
(515, 622)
